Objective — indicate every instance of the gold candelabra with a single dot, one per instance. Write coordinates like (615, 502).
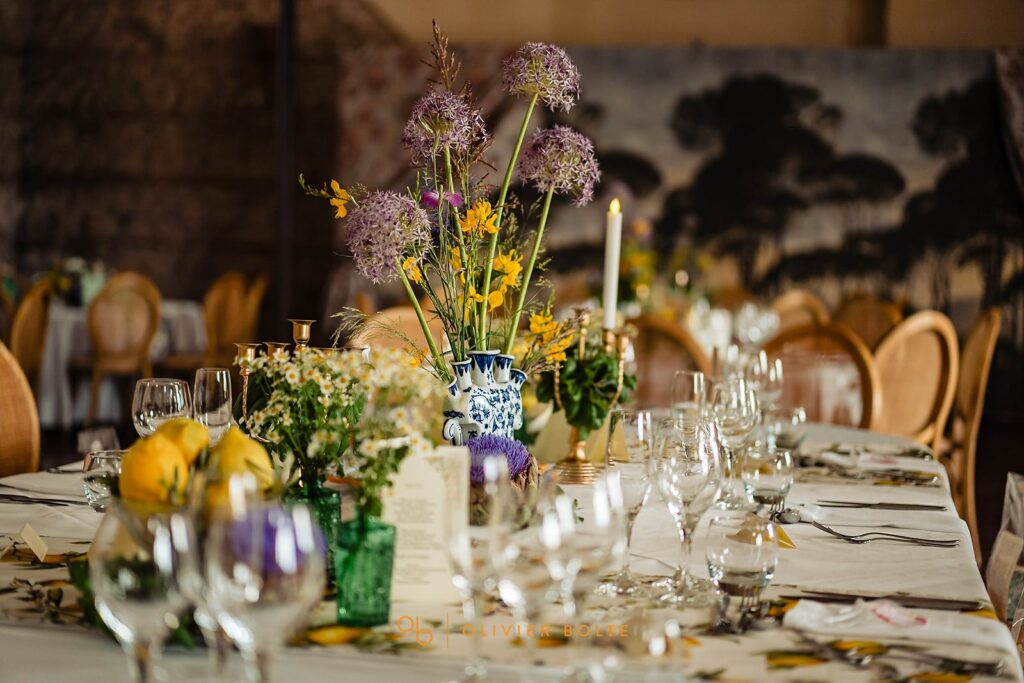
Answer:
(247, 353)
(575, 468)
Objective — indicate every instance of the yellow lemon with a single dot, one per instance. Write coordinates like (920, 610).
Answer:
(237, 453)
(154, 470)
(188, 435)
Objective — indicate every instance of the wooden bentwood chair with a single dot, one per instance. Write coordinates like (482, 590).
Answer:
(28, 330)
(836, 338)
(661, 348)
(965, 420)
(918, 363)
(869, 318)
(19, 422)
(799, 307)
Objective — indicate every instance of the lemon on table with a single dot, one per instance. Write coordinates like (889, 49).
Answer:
(154, 470)
(236, 453)
(188, 435)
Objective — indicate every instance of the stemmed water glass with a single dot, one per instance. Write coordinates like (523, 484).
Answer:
(688, 474)
(630, 451)
(742, 554)
(158, 400)
(212, 397)
(689, 394)
(767, 474)
(135, 572)
(478, 552)
(736, 411)
(265, 570)
(765, 376)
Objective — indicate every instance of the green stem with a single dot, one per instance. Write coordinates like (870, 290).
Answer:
(438, 358)
(501, 210)
(529, 271)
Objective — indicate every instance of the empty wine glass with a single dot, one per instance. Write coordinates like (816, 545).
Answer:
(134, 571)
(688, 474)
(742, 554)
(630, 450)
(265, 570)
(477, 552)
(101, 471)
(767, 474)
(689, 394)
(765, 376)
(786, 428)
(735, 409)
(211, 394)
(158, 400)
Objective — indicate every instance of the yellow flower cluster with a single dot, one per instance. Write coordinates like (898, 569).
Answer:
(548, 332)
(479, 219)
(510, 265)
(412, 270)
(340, 199)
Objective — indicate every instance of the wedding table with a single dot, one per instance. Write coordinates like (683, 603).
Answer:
(33, 647)
(182, 331)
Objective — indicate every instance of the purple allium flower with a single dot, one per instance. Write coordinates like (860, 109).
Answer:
(491, 444)
(543, 70)
(562, 159)
(442, 119)
(383, 229)
(433, 199)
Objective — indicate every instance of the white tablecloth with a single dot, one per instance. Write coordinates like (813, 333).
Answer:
(44, 652)
(182, 331)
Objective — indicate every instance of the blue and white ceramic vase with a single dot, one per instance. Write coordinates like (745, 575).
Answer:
(483, 398)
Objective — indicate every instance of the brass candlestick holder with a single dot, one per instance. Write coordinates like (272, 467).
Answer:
(576, 468)
(246, 354)
(301, 331)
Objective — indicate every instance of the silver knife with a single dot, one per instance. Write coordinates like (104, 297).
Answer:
(879, 506)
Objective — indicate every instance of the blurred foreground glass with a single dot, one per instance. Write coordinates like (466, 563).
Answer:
(742, 554)
(477, 553)
(688, 475)
(265, 568)
(211, 394)
(767, 474)
(735, 409)
(786, 428)
(158, 400)
(689, 394)
(100, 474)
(630, 451)
(135, 573)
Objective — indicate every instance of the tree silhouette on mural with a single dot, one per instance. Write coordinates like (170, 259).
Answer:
(769, 159)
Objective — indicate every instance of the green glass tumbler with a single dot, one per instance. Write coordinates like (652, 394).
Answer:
(363, 561)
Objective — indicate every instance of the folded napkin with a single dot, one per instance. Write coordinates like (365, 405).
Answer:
(884, 619)
(862, 461)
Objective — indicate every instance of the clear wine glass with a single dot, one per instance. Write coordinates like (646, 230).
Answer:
(767, 474)
(157, 400)
(630, 450)
(134, 572)
(688, 475)
(765, 376)
(478, 552)
(689, 394)
(265, 570)
(735, 409)
(742, 554)
(786, 428)
(101, 470)
(211, 393)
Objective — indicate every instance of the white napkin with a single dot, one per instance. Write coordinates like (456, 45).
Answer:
(886, 619)
(892, 520)
(862, 461)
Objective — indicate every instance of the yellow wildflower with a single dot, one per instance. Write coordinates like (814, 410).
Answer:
(510, 265)
(479, 219)
(542, 323)
(473, 295)
(412, 270)
(556, 352)
(341, 198)
(416, 359)
(495, 299)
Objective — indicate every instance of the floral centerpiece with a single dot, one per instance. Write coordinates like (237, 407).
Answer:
(456, 241)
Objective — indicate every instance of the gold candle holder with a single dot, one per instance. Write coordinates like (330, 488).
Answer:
(246, 354)
(275, 348)
(301, 331)
(609, 337)
(575, 468)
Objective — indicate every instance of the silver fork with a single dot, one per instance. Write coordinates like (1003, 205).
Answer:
(885, 536)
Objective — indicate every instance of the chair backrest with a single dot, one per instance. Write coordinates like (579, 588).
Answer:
(975, 364)
(732, 298)
(662, 347)
(223, 312)
(123, 319)
(253, 301)
(19, 422)
(6, 314)
(835, 338)
(28, 329)
(918, 364)
(799, 307)
(869, 318)
(392, 327)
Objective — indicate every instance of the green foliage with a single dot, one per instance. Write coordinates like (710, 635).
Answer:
(586, 389)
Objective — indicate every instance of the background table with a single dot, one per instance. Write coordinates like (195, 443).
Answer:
(825, 385)
(33, 651)
(182, 331)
